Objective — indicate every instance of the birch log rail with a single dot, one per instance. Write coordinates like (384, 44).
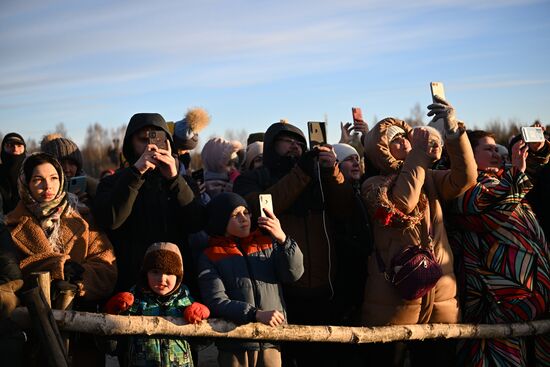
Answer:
(102, 324)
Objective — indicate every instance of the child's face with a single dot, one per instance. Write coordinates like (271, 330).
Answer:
(161, 283)
(239, 223)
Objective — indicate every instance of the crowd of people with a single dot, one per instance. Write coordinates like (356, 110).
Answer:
(392, 225)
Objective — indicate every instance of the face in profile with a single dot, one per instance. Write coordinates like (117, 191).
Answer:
(486, 154)
(239, 223)
(400, 146)
(44, 183)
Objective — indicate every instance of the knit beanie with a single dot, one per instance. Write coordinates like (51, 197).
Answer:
(393, 131)
(217, 152)
(166, 257)
(252, 151)
(343, 151)
(64, 149)
(219, 211)
(186, 131)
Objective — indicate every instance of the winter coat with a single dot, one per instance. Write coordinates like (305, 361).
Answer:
(238, 278)
(297, 202)
(138, 210)
(538, 170)
(382, 304)
(90, 248)
(154, 350)
(506, 266)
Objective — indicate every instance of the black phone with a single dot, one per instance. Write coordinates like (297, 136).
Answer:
(317, 133)
(158, 137)
(198, 176)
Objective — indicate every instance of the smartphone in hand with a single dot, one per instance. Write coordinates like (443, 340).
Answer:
(532, 134)
(437, 90)
(198, 176)
(77, 184)
(265, 202)
(317, 133)
(158, 138)
(357, 115)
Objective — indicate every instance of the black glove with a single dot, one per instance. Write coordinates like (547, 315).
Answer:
(72, 272)
(307, 162)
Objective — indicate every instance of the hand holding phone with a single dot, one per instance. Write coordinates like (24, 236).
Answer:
(437, 90)
(266, 202)
(198, 176)
(357, 115)
(532, 134)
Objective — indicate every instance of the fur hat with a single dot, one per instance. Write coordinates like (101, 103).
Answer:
(343, 151)
(393, 131)
(166, 257)
(64, 149)
(217, 152)
(186, 131)
(219, 210)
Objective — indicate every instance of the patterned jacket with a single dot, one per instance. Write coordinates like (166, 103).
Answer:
(506, 266)
(236, 279)
(155, 351)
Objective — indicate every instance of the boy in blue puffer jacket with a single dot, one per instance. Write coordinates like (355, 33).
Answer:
(240, 275)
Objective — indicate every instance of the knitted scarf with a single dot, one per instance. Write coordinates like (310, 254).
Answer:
(47, 213)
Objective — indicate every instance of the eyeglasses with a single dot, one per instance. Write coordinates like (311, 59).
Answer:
(433, 143)
(290, 141)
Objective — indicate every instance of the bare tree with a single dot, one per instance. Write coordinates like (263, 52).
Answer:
(416, 117)
(61, 130)
(94, 151)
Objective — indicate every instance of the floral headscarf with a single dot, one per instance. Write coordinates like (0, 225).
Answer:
(49, 212)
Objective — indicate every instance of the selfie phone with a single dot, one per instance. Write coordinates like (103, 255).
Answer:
(265, 202)
(198, 176)
(532, 134)
(317, 133)
(158, 137)
(437, 90)
(77, 184)
(357, 115)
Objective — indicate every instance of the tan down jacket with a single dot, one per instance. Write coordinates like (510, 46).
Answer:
(89, 248)
(382, 304)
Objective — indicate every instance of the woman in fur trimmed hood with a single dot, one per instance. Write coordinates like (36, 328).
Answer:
(405, 205)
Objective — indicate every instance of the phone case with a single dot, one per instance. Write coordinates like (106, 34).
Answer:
(437, 90)
(265, 202)
(357, 114)
(317, 133)
(532, 134)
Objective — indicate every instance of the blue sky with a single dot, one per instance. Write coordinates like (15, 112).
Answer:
(250, 63)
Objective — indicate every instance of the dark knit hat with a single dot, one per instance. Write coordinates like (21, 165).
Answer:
(219, 210)
(64, 149)
(254, 137)
(164, 256)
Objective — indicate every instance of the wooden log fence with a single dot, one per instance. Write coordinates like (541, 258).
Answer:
(103, 324)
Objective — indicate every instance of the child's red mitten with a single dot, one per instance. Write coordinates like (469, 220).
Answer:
(118, 303)
(195, 312)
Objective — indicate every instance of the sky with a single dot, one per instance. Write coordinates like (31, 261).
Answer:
(251, 63)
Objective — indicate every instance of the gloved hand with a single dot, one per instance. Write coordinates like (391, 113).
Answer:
(118, 303)
(72, 271)
(8, 299)
(307, 162)
(444, 110)
(196, 312)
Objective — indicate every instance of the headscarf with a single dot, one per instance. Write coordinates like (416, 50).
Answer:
(47, 213)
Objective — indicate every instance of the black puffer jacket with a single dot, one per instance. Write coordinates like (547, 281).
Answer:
(9, 172)
(137, 211)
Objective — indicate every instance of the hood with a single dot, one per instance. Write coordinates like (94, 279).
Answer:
(138, 122)
(377, 148)
(271, 159)
(8, 158)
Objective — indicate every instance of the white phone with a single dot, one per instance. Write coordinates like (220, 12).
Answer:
(532, 134)
(265, 202)
(437, 90)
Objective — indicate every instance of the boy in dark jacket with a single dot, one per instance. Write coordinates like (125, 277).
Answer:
(241, 272)
(159, 292)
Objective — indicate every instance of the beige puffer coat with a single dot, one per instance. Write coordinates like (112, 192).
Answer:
(382, 304)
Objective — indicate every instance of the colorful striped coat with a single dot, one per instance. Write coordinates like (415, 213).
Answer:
(506, 267)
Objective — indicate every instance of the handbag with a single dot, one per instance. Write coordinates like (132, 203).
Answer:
(413, 271)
